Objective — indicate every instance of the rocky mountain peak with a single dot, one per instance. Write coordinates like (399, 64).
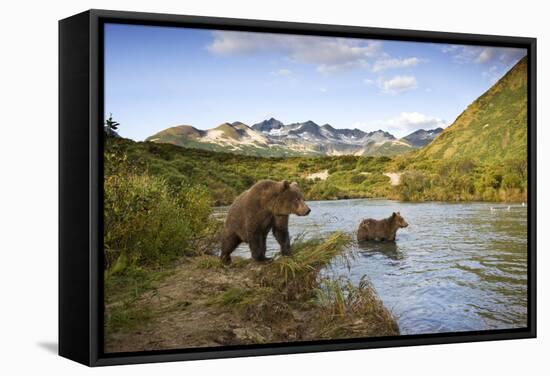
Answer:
(268, 125)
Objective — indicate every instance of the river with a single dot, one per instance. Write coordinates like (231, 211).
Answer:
(457, 267)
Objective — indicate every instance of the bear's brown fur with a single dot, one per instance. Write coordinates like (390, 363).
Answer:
(383, 229)
(264, 207)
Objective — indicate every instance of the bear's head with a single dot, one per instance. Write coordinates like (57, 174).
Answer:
(290, 200)
(399, 220)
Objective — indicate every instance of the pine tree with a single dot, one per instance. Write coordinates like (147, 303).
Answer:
(111, 124)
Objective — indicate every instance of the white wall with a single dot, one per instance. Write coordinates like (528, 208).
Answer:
(28, 156)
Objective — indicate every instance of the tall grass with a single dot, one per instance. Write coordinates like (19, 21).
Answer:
(297, 275)
(148, 225)
(359, 305)
(147, 221)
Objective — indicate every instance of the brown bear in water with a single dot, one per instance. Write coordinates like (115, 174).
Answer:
(383, 229)
(265, 206)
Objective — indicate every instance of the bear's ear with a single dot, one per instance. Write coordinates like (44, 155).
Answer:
(393, 215)
(286, 184)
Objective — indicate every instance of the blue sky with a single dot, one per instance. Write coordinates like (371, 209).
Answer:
(157, 77)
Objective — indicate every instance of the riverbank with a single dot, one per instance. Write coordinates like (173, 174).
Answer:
(203, 303)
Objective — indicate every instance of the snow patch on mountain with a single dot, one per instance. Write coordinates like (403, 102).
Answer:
(300, 138)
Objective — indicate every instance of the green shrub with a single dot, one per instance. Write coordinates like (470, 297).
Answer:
(323, 190)
(148, 223)
(412, 185)
(358, 179)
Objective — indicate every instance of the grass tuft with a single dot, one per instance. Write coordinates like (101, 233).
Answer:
(126, 316)
(296, 276)
(232, 296)
(208, 262)
(341, 300)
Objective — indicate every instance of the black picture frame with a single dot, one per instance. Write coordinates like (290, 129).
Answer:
(81, 173)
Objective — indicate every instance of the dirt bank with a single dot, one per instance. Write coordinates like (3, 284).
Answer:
(395, 177)
(204, 303)
(322, 175)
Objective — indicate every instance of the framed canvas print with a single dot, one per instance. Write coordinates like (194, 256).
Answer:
(236, 187)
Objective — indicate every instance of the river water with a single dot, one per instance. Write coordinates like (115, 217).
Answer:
(457, 267)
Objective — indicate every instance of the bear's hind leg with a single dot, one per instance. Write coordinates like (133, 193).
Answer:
(258, 247)
(229, 243)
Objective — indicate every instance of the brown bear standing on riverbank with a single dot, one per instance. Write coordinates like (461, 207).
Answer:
(383, 229)
(265, 206)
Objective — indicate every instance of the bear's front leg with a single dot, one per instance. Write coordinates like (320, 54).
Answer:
(258, 247)
(280, 231)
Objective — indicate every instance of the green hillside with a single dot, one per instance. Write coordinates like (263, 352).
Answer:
(228, 131)
(392, 148)
(481, 156)
(226, 174)
(493, 128)
(173, 135)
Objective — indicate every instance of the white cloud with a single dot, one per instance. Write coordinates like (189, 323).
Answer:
(340, 67)
(483, 54)
(234, 42)
(282, 72)
(408, 122)
(389, 63)
(493, 74)
(403, 124)
(398, 84)
(368, 81)
(323, 90)
(328, 54)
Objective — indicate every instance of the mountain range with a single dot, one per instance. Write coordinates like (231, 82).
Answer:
(272, 137)
(422, 137)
